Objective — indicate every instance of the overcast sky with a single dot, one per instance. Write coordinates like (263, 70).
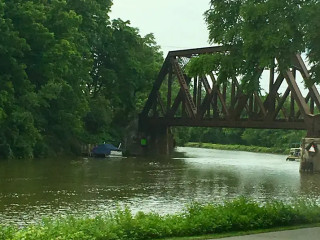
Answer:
(176, 24)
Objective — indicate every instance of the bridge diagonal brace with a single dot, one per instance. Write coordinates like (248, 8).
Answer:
(303, 107)
(280, 104)
(192, 109)
(299, 64)
(273, 93)
(283, 110)
(241, 101)
(238, 96)
(307, 100)
(162, 108)
(206, 101)
(156, 86)
(260, 103)
(220, 95)
(177, 102)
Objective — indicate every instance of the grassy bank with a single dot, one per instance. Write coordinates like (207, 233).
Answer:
(238, 147)
(237, 215)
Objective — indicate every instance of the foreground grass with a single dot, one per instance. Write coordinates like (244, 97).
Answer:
(238, 147)
(196, 220)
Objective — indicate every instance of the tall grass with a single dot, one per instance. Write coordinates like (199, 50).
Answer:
(238, 147)
(197, 219)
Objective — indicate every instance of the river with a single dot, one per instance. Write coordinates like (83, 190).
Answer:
(33, 189)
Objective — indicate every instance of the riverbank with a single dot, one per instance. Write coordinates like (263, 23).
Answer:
(196, 220)
(233, 147)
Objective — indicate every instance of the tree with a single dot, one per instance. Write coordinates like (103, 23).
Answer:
(125, 73)
(18, 133)
(257, 31)
(68, 75)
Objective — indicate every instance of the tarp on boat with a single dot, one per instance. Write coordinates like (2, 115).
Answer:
(104, 149)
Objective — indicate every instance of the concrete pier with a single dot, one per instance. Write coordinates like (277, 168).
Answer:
(310, 155)
(310, 147)
(161, 140)
(148, 140)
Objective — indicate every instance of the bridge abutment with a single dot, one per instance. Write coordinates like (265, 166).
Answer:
(159, 140)
(145, 139)
(310, 147)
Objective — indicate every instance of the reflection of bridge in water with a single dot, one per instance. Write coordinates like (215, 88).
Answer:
(200, 101)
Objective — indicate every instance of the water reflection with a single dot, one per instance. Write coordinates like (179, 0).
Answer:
(30, 190)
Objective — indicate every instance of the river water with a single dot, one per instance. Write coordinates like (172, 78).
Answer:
(31, 190)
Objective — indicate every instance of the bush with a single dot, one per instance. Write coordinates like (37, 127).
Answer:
(241, 214)
(234, 147)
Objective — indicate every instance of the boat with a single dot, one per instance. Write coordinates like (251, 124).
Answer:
(294, 155)
(106, 150)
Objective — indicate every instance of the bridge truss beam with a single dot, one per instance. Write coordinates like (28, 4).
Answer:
(201, 101)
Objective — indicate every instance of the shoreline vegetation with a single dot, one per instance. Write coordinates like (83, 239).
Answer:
(236, 147)
(235, 217)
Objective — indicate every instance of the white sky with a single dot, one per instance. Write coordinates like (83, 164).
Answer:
(176, 24)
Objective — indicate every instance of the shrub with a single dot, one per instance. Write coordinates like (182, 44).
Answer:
(196, 219)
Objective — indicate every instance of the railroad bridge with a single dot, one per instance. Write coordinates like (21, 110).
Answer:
(179, 100)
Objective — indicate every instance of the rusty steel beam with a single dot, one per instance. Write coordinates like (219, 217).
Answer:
(312, 106)
(204, 105)
(283, 109)
(221, 96)
(199, 94)
(169, 93)
(197, 51)
(195, 88)
(159, 100)
(307, 100)
(177, 102)
(303, 107)
(269, 103)
(233, 92)
(280, 104)
(156, 86)
(184, 86)
(299, 64)
(243, 123)
(258, 114)
(260, 103)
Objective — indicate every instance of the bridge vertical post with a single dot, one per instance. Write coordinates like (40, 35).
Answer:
(154, 139)
(160, 140)
(310, 147)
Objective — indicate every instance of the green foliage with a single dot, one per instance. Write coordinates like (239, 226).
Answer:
(255, 33)
(197, 219)
(257, 140)
(272, 138)
(68, 75)
(236, 147)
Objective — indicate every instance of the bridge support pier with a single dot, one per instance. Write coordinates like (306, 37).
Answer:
(159, 140)
(310, 147)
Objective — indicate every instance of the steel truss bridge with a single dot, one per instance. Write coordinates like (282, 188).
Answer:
(202, 102)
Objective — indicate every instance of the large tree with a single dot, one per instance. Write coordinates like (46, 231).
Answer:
(68, 74)
(257, 32)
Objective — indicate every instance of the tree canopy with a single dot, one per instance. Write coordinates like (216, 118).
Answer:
(68, 74)
(259, 31)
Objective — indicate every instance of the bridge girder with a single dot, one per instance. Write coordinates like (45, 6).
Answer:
(201, 101)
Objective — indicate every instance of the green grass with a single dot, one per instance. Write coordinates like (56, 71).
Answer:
(208, 220)
(238, 147)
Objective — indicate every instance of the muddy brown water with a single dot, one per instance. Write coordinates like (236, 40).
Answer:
(33, 189)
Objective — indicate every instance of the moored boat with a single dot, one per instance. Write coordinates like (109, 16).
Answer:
(106, 150)
(294, 155)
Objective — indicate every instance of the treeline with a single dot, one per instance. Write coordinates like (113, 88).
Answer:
(69, 75)
(270, 138)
